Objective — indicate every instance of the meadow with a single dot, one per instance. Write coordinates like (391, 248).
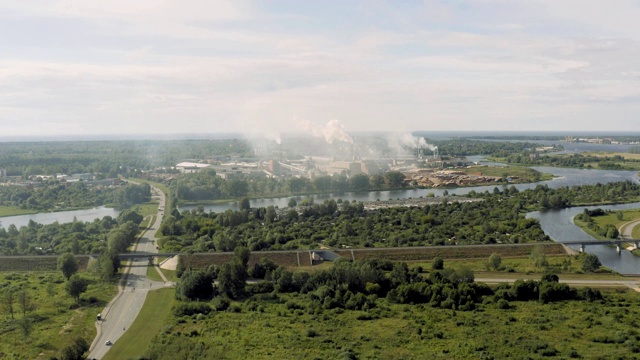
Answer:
(288, 327)
(52, 319)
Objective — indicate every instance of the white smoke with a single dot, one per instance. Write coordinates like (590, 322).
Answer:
(405, 143)
(273, 136)
(332, 131)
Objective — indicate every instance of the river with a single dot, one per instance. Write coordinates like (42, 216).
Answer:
(563, 177)
(60, 216)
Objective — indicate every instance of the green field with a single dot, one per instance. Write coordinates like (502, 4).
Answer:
(149, 322)
(612, 219)
(54, 318)
(558, 264)
(10, 211)
(287, 327)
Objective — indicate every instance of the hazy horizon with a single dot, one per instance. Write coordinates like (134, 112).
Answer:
(434, 135)
(186, 67)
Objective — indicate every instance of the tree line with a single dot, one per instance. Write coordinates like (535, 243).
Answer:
(76, 237)
(59, 195)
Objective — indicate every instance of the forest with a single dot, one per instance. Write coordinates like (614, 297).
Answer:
(615, 162)
(110, 158)
(57, 195)
(498, 217)
(77, 237)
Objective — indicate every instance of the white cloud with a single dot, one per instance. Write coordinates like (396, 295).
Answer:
(231, 66)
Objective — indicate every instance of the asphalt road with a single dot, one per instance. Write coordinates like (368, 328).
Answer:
(134, 286)
(627, 229)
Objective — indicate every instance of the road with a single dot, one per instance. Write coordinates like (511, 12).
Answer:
(627, 228)
(632, 284)
(134, 286)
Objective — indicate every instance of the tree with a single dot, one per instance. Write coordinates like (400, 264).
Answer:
(25, 302)
(244, 204)
(195, 285)
(76, 286)
(495, 260)
(25, 325)
(395, 179)
(7, 301)
(75, 350)
(538, 258)
(590, 263)
(68, 264)
(292, 202)
(130, 215)
(438, 263)
(232, 279)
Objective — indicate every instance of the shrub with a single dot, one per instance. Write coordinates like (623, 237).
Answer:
(191, 308)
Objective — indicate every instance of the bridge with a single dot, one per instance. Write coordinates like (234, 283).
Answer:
(617, 243)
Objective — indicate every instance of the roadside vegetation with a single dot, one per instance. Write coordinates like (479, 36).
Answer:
(44, 319)
(377, 309)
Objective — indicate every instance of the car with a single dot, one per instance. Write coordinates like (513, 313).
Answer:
(108, 343)
(129, 283)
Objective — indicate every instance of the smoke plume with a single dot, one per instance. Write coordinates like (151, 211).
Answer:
(332, 131)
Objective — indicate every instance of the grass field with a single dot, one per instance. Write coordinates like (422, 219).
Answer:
(10, 211)
(612, 219)
(54, 319)
(277, 329)
(559, 264)
(149, 322)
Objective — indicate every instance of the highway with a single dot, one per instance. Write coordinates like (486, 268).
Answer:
(120, 313)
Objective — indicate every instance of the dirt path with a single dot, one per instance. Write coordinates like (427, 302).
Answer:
(626, 229)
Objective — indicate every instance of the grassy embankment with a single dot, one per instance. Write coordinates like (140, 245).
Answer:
(612, 219)
(54, 319)
(11, 211)
(631, 161)
(153, 316)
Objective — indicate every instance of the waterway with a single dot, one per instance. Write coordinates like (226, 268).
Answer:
(60, 216)
(558, 224)
(563, 177)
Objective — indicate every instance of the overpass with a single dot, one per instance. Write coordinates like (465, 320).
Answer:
(617, 243)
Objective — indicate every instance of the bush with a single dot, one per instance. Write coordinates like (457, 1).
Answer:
(191, 308)
(221, 303)
(590, 263)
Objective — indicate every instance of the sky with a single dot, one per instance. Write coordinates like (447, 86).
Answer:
(80, 67)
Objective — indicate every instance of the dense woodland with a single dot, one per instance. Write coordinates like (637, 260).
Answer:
(110, 158)
(205, 185)
(498, 217)
(615, 162)
(468, 147)
(76, 237)
(53, 194)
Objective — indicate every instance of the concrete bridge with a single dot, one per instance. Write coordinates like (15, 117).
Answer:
(617, 243)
